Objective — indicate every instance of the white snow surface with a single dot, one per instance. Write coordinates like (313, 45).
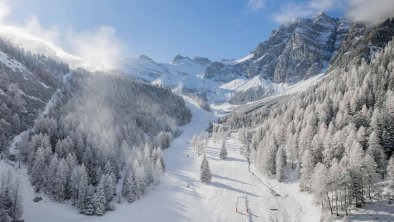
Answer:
(245, 58)
(173, 200)
(21, 37)
(12, 63)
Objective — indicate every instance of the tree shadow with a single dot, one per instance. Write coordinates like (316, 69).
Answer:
(227, 178)
(235, 159)
(224, 186)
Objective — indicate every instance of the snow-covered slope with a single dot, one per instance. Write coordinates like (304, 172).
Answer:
(182, 197)
(182, 73)
(293, 53)
(23, 38)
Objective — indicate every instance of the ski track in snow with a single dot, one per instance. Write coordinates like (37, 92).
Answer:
(181, 196)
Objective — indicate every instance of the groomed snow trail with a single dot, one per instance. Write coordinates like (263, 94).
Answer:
(237, 195)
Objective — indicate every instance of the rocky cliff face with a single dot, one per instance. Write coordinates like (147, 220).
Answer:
(292, 53)
(363, 41)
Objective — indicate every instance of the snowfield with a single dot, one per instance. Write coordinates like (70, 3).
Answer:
(181, 196)
(235, 194)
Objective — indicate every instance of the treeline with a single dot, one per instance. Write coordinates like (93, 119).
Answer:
(11, 208)
(27, 81)
(104, 129)
(338, 135)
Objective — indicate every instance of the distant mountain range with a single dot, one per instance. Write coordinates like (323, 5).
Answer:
(292, 53)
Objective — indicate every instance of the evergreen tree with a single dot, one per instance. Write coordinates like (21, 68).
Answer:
(61, 179)
(307, 168)
(369, 173)
(83, 186)
(129, 187)
(37, 175)
(223, 151)
(205, 175)
(17, 207)
(3, 214)
(139, 176)
(390, 174)
(100, 199)
(319, 184)
(280, 164)
(376, 151)
(109, 186)
(88, 205)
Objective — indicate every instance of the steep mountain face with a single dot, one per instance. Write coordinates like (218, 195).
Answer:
(27, 82)
(363, 41)
(182, 70)
(182, 73)
(293, 52)
(342, 125)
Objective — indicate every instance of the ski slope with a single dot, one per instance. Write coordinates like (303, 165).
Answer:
(235, 194)
(181, 196)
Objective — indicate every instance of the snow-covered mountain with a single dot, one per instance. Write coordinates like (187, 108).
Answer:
(293, 53)
(182, 73)
(21, 37)
(27, 82)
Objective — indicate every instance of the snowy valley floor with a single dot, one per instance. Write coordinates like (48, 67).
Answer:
(233, 188)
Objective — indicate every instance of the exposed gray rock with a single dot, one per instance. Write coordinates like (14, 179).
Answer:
(293, 52)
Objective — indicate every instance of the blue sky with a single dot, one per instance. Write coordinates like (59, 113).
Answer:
(162, 29)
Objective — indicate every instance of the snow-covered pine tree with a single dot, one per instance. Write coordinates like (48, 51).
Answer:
(355, 169)
(74, 185)
(88, 205)
(160, 156)
(376, 151)
(100, 202)
(139, 176)
(281, 164)
(109, 186)
(83, 186)
(306, 171)
(319, 185)
(60, 180)
(369, 173)
(333, 179)
(51, 175)
(3, 213)
(205, 175)
(390, 174)
(129, 186)
(223, 151)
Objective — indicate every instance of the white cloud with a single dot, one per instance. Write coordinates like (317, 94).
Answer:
(256, 4)
(370, 11)
(99, 49)
(291, 11)
(321, 5)
(96, 49)
(5, 9)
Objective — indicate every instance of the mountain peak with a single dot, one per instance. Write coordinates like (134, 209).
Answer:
(202, 60)
(145, 57)
(179, 58)
(321, 15)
